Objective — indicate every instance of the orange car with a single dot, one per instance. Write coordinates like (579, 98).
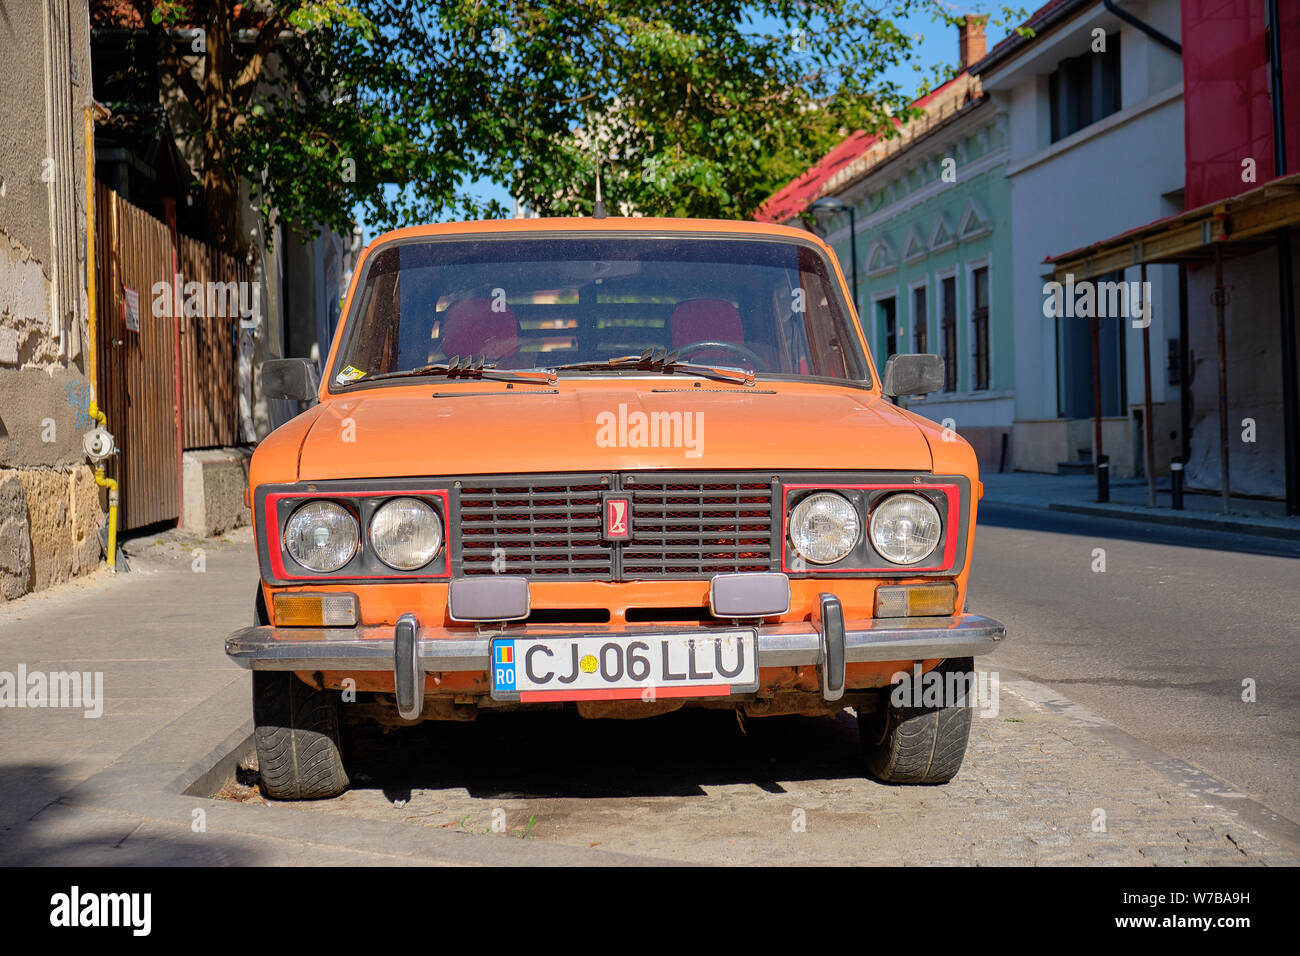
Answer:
(620, 465)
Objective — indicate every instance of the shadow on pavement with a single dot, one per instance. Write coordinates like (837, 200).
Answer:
(994, 515)
(559, 754)
(56, 834)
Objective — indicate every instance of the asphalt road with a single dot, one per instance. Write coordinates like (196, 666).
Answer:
(1161, 641)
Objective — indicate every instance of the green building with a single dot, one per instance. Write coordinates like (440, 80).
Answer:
(931, 211)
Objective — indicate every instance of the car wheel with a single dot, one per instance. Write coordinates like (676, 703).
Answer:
(918, 744)
(296, 729)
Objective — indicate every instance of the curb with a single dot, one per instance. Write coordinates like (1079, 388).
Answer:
(1265, 822)
(1235, 525)
(168, 776)
(1157, 516)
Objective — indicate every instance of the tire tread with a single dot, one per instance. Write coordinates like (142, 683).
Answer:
(296, 730)
(918, 745)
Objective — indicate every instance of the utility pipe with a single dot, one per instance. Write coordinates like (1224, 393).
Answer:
(111, 485)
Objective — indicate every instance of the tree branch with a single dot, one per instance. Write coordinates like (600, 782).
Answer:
(165, 51)
(251, 71)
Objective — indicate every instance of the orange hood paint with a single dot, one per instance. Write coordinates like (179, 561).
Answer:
(607, 425)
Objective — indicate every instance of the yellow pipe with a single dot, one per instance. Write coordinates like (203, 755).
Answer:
(111, 485)
(92, 360)
(92, 331)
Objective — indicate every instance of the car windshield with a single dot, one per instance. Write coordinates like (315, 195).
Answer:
(767, 306)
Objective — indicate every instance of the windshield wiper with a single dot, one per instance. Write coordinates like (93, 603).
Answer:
(660, 360)
(481, 370)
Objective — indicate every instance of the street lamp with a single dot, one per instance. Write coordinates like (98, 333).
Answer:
(831, 204)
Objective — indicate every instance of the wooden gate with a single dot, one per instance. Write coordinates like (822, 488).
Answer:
(137, 360)
(209, 344)
(147, 360)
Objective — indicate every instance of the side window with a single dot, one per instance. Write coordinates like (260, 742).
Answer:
(979, 322)
(948, 332)
(374, 347)
(920, 321)
(826, 353)
(888, 312)
(1085, 89)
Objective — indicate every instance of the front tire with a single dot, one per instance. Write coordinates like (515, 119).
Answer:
(296, 729)
(918, 745)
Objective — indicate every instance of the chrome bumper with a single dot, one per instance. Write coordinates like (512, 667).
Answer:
(779, 645)
(410, 651)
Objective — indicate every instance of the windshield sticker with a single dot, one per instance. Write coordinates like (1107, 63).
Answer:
(349, 374)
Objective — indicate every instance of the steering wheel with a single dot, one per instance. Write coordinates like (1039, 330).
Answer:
(755, 362)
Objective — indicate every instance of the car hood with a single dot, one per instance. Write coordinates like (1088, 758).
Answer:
(625, 426)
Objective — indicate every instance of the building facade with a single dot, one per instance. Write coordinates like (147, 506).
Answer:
(49, 504)
(1235, 251)
(935, 271)
(1094, 108)
(931, 221)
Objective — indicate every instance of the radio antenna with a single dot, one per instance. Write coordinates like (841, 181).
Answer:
(598, 210)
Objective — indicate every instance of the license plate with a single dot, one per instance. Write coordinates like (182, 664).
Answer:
(625, 667)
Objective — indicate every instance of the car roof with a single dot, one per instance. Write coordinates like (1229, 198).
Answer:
(588, 225)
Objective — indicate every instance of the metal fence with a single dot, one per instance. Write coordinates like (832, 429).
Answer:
(209, 344)
(167, 375)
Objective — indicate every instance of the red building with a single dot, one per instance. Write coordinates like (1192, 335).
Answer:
(1234, 246)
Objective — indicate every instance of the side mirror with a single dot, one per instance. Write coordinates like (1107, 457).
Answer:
(291, 378)
(912, 374)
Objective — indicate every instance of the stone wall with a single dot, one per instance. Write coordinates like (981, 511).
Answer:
(49, 503)
(49, 522)
(214, 482)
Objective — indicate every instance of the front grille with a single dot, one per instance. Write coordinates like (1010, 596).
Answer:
(682, 527)
(541, 529)
(687, 528)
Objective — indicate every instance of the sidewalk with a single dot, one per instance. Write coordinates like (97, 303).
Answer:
(129, 787)
(1128, 500)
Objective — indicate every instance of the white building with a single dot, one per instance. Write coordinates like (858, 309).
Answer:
(1095, 125)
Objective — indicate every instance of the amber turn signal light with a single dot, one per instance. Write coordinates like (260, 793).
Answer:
(916, 600)
(297, 609)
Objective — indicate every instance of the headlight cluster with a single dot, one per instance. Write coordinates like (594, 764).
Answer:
(406, 533)
(323, 536)
(905, 528)
(825, 527)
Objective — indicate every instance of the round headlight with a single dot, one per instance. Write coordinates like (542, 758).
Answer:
(905, 528)
(406, 533)
(824, 528)
(321, 536)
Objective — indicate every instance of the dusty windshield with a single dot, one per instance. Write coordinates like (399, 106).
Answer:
(770, 307)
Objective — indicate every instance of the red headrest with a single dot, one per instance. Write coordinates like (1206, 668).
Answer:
(470, 327)
(706, 320)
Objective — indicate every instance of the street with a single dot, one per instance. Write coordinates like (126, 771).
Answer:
(1119, 734)
(1133, 644)
(1162, 640)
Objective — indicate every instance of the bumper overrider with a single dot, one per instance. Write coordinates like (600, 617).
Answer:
(410, 650)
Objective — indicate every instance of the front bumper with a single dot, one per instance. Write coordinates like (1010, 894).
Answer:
(410, 650)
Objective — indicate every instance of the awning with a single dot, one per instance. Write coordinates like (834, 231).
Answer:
(1240, 225)
(1244, 224)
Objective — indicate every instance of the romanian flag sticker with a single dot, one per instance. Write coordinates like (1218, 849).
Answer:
(503, 666)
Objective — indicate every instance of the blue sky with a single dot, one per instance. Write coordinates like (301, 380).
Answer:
(938, 45)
